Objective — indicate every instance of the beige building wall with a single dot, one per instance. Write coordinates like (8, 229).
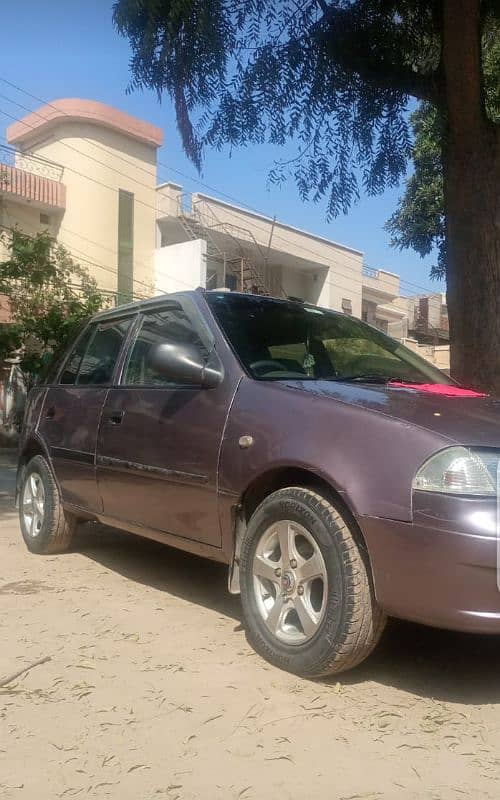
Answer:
(438, 355)
(336, 270)
(97, 163)
(180, 267)
(26, 217)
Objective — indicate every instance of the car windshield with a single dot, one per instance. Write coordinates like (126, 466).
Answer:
(279, 340)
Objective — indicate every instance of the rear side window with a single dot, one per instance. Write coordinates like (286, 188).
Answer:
(165, 325)
(92, 361)
(99, 361)
(72, 365)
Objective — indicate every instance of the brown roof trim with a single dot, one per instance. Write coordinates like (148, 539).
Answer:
(37, 124)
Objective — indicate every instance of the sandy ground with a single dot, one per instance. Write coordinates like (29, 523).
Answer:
(151, 690)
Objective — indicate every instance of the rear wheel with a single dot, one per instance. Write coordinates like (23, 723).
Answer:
(45, 526)
(307, 597)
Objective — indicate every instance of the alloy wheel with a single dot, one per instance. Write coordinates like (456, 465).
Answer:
(290, 582)
(33, 504)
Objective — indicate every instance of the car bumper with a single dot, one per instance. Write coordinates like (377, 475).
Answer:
(442, 568)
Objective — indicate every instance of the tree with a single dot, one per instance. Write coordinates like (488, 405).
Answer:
(49, 295)
(419, 220)
(335, 76)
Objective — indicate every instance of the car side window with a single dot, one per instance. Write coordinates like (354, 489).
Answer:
(163, 325)
(72, 365)
(98, 363)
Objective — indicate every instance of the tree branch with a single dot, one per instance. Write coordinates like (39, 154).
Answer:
(462, 65)
(351, 45)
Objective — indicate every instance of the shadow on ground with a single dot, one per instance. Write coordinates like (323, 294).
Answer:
(447, 666)
(164, 568)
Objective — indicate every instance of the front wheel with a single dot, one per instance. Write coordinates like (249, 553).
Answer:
(46, 527)
(306, 592)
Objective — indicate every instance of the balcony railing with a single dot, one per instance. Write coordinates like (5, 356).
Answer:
(29, 187)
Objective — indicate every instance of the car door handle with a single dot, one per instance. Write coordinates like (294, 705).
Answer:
(115, 417)
(50, 413)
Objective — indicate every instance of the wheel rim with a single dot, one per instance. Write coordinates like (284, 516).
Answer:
(290, 582)
(33, 504)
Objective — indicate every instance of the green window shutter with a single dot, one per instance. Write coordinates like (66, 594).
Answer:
(125, 246)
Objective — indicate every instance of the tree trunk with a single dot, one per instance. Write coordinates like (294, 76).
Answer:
(471, 161)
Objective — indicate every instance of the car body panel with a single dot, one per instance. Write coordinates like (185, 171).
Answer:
(158, 467)
(369, 457)
(68, 425)
(434, 576)
(472, 421)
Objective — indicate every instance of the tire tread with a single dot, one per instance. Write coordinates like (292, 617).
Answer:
(60, 524)
(364, 619)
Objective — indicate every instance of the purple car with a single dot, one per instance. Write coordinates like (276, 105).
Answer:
(341, 477)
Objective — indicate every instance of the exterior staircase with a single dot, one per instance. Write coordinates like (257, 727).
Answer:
(249, 277)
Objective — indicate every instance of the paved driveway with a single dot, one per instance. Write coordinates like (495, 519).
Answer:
(151, 691)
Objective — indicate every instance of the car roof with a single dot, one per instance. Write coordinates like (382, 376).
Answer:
(152, 302)
(138, 305)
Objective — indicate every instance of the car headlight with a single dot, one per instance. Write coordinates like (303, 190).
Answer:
(460, 470)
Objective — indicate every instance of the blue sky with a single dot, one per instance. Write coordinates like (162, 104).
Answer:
(59, 49)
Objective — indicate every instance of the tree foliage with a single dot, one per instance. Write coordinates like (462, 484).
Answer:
(249, 72)
(334, 77)
(49, 295)
(419, 220)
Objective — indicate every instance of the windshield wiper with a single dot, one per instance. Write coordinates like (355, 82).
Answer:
(370, 378)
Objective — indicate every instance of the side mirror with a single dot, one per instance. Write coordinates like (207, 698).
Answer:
(183, 363)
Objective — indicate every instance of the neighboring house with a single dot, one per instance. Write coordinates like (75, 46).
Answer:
(219, 244)
(88, 173)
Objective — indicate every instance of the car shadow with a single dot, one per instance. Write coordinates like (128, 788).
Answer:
(427, 662)
(166, 569)
(430, 662)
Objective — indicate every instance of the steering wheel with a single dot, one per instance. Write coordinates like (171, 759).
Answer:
(267, 365)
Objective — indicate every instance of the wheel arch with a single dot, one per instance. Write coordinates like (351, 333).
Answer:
(283, 477)
(31, 447)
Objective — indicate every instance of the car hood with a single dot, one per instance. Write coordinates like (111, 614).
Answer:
(473, 421)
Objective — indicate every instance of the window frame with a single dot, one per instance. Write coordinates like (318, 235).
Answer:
(194, 317)
(95, 323)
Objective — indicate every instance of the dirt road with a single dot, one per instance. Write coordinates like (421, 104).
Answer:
(152, 692)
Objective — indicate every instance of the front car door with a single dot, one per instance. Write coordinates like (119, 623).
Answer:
(72, 409)
(158, 447)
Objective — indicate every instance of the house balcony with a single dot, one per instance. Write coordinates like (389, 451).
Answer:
(33, 181)
(380, 286)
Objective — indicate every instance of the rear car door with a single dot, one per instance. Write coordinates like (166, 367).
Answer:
(159, 442)
(72, 408)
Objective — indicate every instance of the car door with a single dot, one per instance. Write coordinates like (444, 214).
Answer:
(158, 447)
(72, 408)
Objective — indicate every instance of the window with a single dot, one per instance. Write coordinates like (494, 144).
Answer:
(346, 305)
(164, 325)
(62, 355)
(93, 358)
(125, 246)
(279, 340)
(75, 357)
(99, 361)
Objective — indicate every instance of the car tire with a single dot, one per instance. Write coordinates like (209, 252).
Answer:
(311, 626)
(46, 527)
